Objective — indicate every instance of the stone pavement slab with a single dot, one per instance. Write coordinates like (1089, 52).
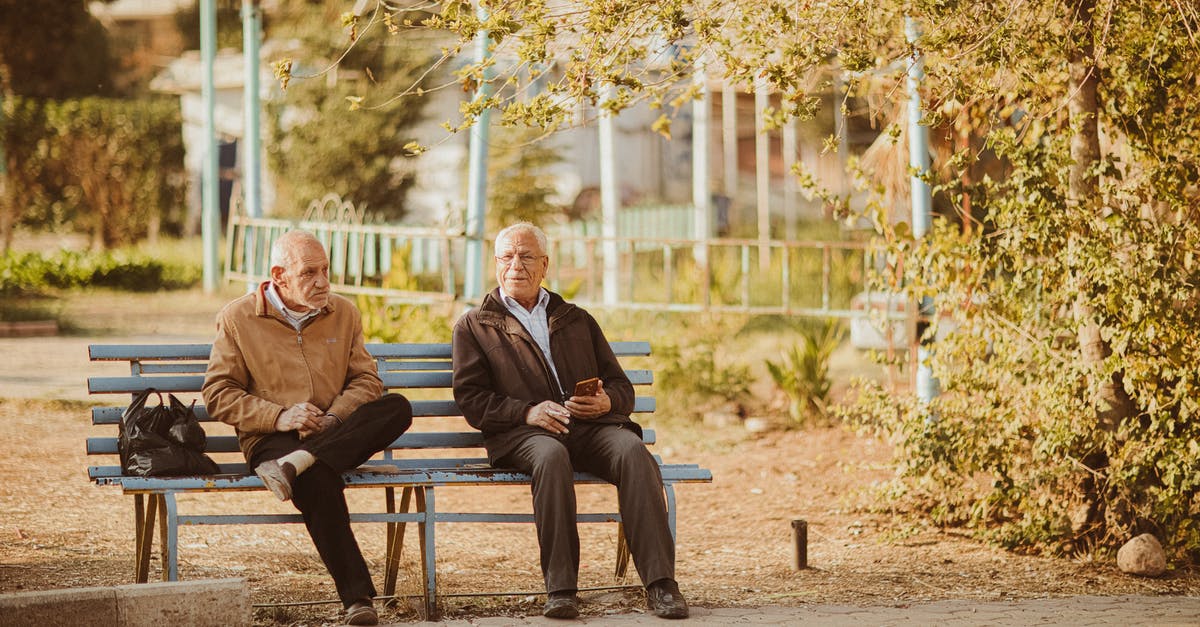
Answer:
(1148, 611)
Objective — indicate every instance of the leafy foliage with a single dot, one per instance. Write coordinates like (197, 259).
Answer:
(521, 186)
(52, 50)
(1018, 446)
(111, 168)
(1068, 263)
(321, 139)
(694, 361)
(803, 372)
(36, 273)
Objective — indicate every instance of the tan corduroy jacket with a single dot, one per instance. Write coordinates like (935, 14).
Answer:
(260, 365)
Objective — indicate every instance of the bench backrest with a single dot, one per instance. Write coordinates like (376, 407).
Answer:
(422, 372)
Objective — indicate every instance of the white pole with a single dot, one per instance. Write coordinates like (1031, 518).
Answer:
(609, 200)
(922, 198)
(729, 140)
(762, 159)
(790, 191)
(701, 199)
(252, 140)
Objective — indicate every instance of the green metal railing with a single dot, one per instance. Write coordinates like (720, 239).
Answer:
(426, 265)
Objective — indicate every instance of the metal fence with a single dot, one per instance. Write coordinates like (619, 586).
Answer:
(426, 265)
(372, 259)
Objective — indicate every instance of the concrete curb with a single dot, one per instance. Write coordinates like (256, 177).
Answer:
(200, 603)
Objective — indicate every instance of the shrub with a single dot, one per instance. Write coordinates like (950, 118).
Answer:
(34, 273)
(690, 360)
(803, 372)
(110, 168)
(385, 321)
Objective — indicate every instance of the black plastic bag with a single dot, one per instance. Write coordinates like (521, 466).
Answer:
(162, 440)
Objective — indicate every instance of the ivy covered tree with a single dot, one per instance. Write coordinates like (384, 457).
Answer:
(521, 186)
(1069, 416)
(53, 50)
(321, 140)
(1070, 413)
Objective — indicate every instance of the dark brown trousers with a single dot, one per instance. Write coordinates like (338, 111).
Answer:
(617, 455)
(319, 492)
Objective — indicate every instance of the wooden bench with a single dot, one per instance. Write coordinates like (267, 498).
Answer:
(416, 463)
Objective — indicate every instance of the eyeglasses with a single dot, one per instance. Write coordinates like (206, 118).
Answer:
(526, 260)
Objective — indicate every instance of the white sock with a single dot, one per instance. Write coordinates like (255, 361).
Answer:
(300, 459)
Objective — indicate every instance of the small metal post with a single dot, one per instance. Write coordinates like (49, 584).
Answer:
(799, 544)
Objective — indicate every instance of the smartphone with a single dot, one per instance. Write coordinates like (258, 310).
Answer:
(587, 387)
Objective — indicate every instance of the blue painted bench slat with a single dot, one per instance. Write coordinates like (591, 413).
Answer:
(392, 380)
(112, 415)
(419, 371)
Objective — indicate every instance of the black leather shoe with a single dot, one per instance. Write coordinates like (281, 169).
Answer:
(561, 605)
(665, 601)
(362, 613)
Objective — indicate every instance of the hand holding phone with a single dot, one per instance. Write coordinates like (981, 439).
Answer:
(589, 400)
(587, 387)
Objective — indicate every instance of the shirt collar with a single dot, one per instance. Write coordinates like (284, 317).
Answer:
(510, 302)
(276, 300)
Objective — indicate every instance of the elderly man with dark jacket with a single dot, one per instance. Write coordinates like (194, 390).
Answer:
(517, 358)
(289, 370)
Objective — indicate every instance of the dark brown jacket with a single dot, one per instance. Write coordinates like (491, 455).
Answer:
(499, 371)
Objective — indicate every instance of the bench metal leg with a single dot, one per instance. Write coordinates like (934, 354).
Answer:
(147, 510)
(163, 553)
(395, 538)
(670, 490)
(622, 552)
(169, 521)
(425, 503)
(143, 522)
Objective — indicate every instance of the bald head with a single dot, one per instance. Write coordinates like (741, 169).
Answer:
(283, 251)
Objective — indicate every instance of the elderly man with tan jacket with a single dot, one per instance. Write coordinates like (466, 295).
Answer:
(290, 371)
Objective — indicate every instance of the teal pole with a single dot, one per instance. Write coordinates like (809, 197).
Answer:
(210, 220)
(251, 131)
(922, 198)
(477, 176)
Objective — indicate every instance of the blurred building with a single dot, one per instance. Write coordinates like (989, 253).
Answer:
(650, 169)
(143, 36)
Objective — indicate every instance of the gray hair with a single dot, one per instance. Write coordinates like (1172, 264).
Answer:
(523, 227)
(283, 250)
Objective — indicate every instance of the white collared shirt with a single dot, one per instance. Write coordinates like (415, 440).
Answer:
(536, 322)
(295, 318)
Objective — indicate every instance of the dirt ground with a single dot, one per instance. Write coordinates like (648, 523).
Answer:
(735, 544)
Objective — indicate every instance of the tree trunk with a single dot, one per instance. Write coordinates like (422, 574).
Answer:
(1111, 402)
(8, 216)
(8, 208)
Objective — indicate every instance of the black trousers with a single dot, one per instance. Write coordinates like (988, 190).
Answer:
(618, 456)
(319, 492)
